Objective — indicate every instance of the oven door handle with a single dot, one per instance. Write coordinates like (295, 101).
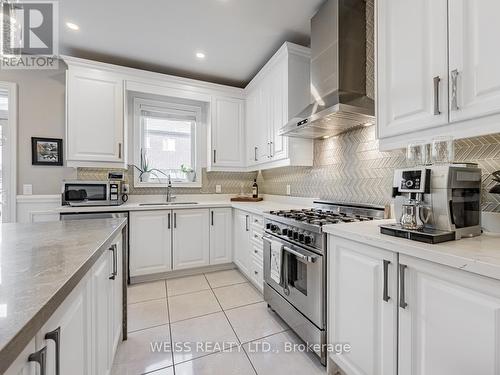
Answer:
(305, 258)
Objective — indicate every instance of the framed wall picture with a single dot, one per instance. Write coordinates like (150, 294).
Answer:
(46, 151)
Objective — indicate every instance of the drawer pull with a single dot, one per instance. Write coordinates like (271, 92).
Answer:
(55, 335)
(40, 357)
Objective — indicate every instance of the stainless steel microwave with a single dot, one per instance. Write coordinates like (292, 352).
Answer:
(92, 193)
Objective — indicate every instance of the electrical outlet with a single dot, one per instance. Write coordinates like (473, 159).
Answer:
(218, 189)
(27, 189)
(288, 190)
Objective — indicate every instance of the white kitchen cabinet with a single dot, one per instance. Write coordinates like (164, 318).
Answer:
(21, 365)
(221, 234)
(412, 66)
(116, 296)
(150, 242)
(363, 307)
(69, 328)
(191, 238)
(242, 241)
(101, 314)
(227, 134)
(278, 92)
(95, 132)
(448, 321)
(473, 30)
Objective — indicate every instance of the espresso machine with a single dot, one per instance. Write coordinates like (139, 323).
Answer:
(436, 203)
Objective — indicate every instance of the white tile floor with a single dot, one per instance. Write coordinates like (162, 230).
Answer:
(169, 319)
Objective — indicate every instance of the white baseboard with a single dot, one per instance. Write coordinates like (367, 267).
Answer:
(37, 208)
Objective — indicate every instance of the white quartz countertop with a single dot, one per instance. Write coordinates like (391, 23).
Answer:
(480, 255)
(253, 207)
(40, 264)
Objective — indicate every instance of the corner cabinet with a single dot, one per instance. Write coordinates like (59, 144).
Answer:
(227, 136)
(436, 71)
(278, 93)
(95, 127)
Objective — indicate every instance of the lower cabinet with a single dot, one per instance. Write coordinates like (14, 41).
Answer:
(150, 242)
(221, 236)
(428, 318)
(241, 241)
(363, 307)
(190, 241)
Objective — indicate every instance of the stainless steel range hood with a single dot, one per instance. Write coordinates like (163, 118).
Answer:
(338, 73)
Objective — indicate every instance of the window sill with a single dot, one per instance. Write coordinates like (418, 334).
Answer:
(196, 184)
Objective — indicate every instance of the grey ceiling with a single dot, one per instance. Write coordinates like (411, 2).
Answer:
(237, 36)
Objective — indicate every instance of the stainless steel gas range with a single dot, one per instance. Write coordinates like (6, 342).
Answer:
(295, 265)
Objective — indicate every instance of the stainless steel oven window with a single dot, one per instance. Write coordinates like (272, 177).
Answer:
(297, 273)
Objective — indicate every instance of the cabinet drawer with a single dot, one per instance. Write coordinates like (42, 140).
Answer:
(256, 236)
(257, 253)
(257, 274)
(258, 222)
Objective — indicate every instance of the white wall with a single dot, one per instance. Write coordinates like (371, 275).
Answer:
(41, 113)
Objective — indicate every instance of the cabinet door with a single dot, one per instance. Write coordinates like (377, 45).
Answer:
(363, 307)
(412, 66)
(241, 241)
(73, 322)
(278, 110)
(150, 242)
(221, 235)
(191, 246)
(450, 324)
(474, 30)
(21, 366)
(101, 313)
(95, 126)
(228, 132)
(116, 296)
(252, 124)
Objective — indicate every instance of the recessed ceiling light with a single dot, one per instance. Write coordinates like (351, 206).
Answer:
(72, 26)
(325, 137)
(200, 55)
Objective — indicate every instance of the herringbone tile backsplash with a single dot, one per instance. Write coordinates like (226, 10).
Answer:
(350, 168)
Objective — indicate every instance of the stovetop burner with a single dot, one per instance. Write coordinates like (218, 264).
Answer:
(320, 217)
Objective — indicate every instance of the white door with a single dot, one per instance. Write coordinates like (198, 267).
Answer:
(278, 111)
(150, 242)
(474, 59)
(228, 147)
(412, 65)
(448, 321)
(116, 294)
(95, 126)
(363, 307)
(191, 239)
(221, 235)
(241, 240)
(21, 365)
(70, 328)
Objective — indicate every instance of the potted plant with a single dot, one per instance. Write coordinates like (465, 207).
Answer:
(145, 169)
(189, 172)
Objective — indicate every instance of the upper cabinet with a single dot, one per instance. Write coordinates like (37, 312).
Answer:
(278, 92)
(436, 71)
(227, 134)
(95, 131)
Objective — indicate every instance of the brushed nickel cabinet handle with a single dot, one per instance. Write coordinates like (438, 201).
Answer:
(168, 220)
(119, 150)
(271, 151)
(215, 156)
(246, 222)
(436, 95)
(115, 262)
(175, 220)
(386, 297)
(454, 90)
(402, 298)
(40, 357)
(55, 335)
(255, 153)
(212, 218)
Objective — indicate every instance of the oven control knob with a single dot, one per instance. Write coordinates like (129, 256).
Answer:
(268, 226)
(301, 237)
(308, 240)
(284, 232)
(295, 235)
(290, 233)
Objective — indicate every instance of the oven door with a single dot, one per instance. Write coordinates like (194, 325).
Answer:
(86, 192)
(302, 278)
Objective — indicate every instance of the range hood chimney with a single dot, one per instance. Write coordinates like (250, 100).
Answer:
(338, 73)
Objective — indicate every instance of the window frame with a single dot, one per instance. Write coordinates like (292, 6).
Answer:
(196, 151)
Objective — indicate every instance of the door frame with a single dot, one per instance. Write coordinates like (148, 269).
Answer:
(11, 143)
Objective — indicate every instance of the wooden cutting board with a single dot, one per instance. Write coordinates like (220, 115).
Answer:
(246, 199)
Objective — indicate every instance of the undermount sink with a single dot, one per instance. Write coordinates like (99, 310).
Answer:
(167, 204)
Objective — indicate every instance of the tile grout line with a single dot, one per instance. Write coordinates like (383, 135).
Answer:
(170, 328)
(237, 337)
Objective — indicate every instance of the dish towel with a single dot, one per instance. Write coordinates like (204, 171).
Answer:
(276, 259)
